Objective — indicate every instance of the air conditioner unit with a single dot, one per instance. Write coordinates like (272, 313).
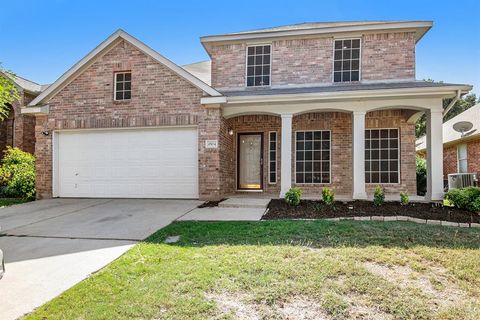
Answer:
(461, 180)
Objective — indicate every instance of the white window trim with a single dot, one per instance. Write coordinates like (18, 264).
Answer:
(399, 159)
(115, 85)
(360, 60)
(458, 156)
(276, 157)
(246, 64)
(329, 162)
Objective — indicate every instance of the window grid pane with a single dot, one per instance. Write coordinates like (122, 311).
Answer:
(381, 156)
(346, 65)
(123, 85)
(312, 157)
(272, 160)
(258, 66)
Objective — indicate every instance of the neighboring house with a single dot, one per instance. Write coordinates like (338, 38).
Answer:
(18, 130)
(460, 154)
(308, 105)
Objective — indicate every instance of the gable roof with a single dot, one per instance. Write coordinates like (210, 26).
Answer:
(314, 28)
(107, 44)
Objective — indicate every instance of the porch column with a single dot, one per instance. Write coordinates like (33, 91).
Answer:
(434, 155)
(359, 155)
(286, 154)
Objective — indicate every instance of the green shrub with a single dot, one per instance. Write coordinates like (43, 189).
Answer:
(466, 198)
(421, 175)
(328, 196)
(404, 198)
(378, 196)
(17, 174)
(292, 197)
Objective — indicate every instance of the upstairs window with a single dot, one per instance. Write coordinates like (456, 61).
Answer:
(123, 86)
(258, 65)
(346, 65)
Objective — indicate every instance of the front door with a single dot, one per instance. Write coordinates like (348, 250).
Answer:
(250, 160)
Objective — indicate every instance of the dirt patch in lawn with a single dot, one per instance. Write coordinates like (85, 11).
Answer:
(433, 283)
(312, 209)
(241, 306)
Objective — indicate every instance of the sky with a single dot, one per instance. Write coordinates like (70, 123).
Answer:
(40, 40)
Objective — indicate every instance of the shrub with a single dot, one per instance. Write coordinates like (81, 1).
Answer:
(421, 175)
(378, 196)
(17, 174)
(292, 197)
(328, 196)
(466, 198)
(404, 198)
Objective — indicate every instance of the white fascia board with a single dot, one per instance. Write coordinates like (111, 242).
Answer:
(63, 80)
(424, 25)
(213, 100)
(357, 94)
(35, 110)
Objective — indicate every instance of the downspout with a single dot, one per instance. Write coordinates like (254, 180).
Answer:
(452, 103)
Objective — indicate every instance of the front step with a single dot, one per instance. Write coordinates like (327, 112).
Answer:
(244, 203)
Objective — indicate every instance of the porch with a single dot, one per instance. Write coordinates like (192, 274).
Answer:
(321, 152)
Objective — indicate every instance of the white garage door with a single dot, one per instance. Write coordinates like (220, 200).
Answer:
(137, 163)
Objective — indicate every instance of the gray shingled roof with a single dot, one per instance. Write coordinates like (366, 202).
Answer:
(337, 88)
(315, 25)
(201, 70)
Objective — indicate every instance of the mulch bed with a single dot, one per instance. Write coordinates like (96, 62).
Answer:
(210, 204)
(312, 209)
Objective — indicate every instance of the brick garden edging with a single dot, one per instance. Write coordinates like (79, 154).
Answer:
(409, 219)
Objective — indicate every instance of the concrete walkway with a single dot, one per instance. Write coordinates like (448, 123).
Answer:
(232, 209)
(50, 245)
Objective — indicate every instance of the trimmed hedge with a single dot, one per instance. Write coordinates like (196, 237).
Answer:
(466, 198)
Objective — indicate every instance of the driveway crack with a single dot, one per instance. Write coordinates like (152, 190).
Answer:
(66, 237)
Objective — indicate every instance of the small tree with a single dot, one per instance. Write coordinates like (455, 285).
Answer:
(8, 92)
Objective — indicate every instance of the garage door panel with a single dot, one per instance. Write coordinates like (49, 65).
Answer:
(147, 163)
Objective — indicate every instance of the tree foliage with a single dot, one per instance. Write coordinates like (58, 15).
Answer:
(461, 105)
(8, 93)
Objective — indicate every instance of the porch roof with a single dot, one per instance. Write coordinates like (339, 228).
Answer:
(342, 88)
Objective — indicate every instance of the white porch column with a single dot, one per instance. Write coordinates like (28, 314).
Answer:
(286, 154)
(434, 155)
(359, 155)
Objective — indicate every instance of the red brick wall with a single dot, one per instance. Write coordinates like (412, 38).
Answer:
(388, 56)
(398, 119)
(340, 125)
(159, 98)
(309, 61)
(18, 130)
(450, 159)
(254, 123)
(473, 154)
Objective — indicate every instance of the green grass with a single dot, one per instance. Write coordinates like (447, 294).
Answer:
(277, 269)
(5, 202)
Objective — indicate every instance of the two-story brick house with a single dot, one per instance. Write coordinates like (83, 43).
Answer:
(308, 105)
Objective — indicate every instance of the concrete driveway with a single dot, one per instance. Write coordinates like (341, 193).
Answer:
(50, 245)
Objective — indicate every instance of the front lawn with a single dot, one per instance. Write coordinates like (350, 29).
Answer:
(286, 270)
